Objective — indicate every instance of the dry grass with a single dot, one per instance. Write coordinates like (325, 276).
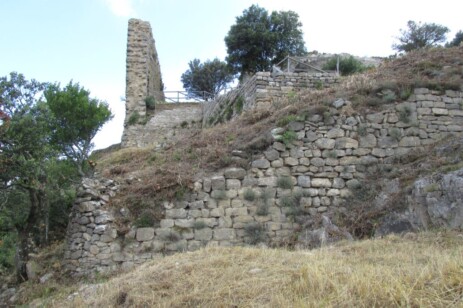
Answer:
(419, 270)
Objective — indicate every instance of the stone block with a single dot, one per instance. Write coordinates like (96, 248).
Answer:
(410, 142)
(346, 143)
(261, 163)
(325, 143)
(184, 223)
(144, 234)
(272, 154)
(224, 234)
(321, 182)
(270, 181)
(238, 211)
(280, 147)
(303, 181)
(176, 213)
(218, 183)
(368, 141)
(291, 161)
(335, 133)
(440, 111)
(235, 173)
(233, 184)
(217, 212)
(167, 223)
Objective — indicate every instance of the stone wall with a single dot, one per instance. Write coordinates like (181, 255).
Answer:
(304, 177)
(260, 90)
(165, 125)
(143, 74)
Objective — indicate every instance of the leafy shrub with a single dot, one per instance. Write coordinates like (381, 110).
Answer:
(255, 233)
(404, 114)
(389, 97)
(285, 182)
(347, 65)
(150, 102)
(288, 137)
(249, 195)
(145, 219)
(262, 209)
(318, 85)
(133, 118)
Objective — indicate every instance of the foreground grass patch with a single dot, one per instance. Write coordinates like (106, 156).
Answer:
(423, 270)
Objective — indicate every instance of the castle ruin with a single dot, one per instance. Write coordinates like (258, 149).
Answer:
(143, 75)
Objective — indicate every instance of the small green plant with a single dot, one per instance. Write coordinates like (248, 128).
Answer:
(198, 225)
(180, 192)
(150, 102)
(249, 195)
(395, 134)
(405, 93)
(287, 201)
(145, 219)
(318, 84)
(239, 103)
(255, 233)
(288, 137)
(133, 118)
(177, 156)
(228, 113)
(262, 209)
(184, 124)
(404, 114)
(362, 130)
(389, 97)
(285, 182)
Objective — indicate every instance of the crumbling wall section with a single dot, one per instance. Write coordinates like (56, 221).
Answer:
(260, 91)
(312, 174)
(143, 77)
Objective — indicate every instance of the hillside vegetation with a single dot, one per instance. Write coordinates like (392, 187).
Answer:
(417, 270)
(413, 270)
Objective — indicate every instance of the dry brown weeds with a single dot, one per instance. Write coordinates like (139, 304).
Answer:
(423, 270)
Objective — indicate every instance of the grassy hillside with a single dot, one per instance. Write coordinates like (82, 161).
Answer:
(417, 270)
(414, 270)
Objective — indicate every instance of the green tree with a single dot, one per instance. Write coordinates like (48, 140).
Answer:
(347, 65)
(76, 120)
(258, 40)
(24, 148)
(206, 80)
(456, 40)
(36, 172)
(420, 35)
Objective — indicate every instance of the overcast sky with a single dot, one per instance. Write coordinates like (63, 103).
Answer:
(85, 40)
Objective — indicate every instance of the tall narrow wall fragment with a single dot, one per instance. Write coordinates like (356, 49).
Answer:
(143, 77)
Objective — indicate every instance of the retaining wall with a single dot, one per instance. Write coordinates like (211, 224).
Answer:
(328, 157)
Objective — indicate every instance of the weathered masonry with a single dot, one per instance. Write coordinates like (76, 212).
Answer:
(143, 76)
(328, 157)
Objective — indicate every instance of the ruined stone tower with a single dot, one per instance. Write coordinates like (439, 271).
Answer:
(143, 77)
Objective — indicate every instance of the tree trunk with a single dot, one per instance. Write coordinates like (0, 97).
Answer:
(36, 198)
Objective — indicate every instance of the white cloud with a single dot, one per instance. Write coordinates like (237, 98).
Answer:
(121, 8)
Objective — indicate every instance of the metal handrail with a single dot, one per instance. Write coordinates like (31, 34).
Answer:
(184, 96)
